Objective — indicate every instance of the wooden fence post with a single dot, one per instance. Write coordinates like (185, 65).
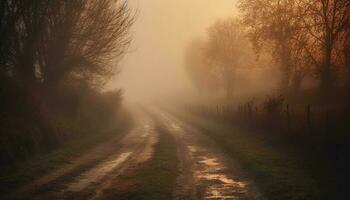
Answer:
(288, 119)
(308, 118)
(327, 123)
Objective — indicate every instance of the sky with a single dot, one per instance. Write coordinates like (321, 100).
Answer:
(154, 65)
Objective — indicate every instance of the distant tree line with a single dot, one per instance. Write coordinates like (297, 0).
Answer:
(53, 55)
(213, 62)
(305, 38)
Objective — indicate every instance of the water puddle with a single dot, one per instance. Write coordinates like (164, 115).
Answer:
(192, 149)
(211, 176)
(217, 185)
(97, 173)
(209, 162)
(175, 126)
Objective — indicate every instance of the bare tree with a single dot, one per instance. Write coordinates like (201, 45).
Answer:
(226, 48)
(323, 23)
(44, 42)
(84, 40)
(198, 67)
(9, 15)
(22, 23)
(272, 24)
(342, 53)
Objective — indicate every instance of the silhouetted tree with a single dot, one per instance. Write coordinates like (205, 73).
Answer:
(198, 67)
(84, 39)
(226, 48)
(46, 42)
(323, 23)
(53, 55)
(272, 24)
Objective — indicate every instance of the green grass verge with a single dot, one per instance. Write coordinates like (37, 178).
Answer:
(156, 178)
(278, 173)
(32, 169)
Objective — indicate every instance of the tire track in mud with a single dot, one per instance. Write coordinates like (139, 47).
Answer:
(205, 172)
(89, 182)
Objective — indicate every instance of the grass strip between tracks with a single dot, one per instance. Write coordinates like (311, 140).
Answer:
(156, 178)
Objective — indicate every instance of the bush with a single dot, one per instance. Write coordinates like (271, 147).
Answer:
(28, 129)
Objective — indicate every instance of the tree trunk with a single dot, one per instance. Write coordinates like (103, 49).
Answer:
(326, 76)
(285, 66)
(326, 84)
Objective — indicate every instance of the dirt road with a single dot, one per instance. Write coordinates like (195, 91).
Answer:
(204, 171)
(86, 177)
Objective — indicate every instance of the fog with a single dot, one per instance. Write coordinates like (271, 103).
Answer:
(153, 67)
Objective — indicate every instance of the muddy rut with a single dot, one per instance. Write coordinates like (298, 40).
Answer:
(205, 172)
(88, 176)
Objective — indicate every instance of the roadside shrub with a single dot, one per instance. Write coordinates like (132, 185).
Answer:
(273, 103)
(70, 113)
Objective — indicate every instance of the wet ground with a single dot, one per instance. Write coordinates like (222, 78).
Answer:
(87, 177)
(205, 172)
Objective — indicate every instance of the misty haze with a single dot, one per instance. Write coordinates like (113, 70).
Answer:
(181, 99)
